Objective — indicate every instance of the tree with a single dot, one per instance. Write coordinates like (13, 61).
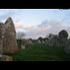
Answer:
(63, 34)
(51, 35)
(20, 35)
(30, 39)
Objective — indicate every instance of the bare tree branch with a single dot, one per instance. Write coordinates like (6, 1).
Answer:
(20, 35)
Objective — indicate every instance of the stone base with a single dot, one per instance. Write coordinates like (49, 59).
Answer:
(6, 58)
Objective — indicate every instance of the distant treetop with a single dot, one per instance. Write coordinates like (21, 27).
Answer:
(63, 34)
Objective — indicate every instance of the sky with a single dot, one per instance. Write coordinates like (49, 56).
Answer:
(37, 22)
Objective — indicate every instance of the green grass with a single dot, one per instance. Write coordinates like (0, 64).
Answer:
(40, 52)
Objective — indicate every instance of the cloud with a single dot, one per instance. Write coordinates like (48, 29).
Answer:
(19, 24)
(5, 13)
(48, 26)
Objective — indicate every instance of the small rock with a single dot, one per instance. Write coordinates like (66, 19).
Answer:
(6, 58)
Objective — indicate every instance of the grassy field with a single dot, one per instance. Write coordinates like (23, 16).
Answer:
(40, 52)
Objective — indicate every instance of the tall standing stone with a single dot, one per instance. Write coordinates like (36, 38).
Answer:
(9, 42)
(1, 38)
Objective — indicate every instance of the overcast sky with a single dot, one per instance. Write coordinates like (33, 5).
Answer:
(37, 22)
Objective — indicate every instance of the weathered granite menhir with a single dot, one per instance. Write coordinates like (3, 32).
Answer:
(8, 43)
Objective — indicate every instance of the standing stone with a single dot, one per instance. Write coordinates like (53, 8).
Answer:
(1, 38)
(9, 41)
(67, 47)
(54, 41)
(39, 41)
(23, 46)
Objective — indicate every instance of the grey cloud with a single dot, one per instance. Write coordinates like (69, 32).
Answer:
(52, 23)
(56, 27)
